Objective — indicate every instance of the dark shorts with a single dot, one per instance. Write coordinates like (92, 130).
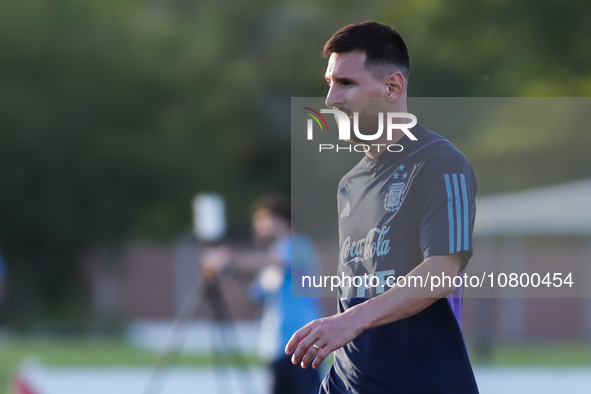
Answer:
(288, 378)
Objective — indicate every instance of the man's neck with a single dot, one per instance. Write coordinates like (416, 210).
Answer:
(380, 145)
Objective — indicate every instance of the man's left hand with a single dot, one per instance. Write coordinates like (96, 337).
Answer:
(328, 334)
(334, 332)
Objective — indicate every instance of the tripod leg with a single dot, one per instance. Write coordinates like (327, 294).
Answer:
(218, 355)
(191, 306)
(169, 355)
(225, 324)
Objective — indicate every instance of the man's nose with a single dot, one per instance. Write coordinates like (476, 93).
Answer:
(334, 97)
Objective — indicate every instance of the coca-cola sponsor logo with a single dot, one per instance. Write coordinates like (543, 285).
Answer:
(365, 248)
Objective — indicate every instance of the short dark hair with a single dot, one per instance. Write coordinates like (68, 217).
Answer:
(277, 205)
(381, 44)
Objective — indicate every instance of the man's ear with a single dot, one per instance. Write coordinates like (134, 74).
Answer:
(396, 85)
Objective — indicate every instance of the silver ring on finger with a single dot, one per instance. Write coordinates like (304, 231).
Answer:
(315, 346)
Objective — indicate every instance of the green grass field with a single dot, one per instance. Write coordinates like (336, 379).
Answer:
(83, 353)
(539, 353)
(118, 353)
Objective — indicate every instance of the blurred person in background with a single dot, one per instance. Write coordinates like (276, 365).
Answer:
(287, 255)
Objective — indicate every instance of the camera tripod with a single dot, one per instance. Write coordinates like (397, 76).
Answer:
(221, 330)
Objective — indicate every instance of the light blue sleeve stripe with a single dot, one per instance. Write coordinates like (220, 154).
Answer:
(458, 212)
(466, 221)
(450, 213)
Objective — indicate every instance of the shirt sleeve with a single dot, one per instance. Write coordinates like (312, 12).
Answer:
(447, 207)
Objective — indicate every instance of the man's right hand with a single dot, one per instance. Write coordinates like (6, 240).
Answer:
(214, 260)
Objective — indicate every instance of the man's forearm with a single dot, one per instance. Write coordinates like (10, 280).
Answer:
(317, 339)
(401, 302)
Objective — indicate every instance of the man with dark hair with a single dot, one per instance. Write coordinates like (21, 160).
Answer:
(277, 205)
(402, 214)
(384, 49)
(287, 254)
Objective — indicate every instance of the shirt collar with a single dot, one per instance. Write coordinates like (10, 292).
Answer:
(408, 146)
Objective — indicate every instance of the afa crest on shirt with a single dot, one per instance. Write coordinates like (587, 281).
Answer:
(396, 190)
(394, 196)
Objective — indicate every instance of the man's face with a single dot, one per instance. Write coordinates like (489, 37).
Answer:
(354, 89)
(263, 225)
